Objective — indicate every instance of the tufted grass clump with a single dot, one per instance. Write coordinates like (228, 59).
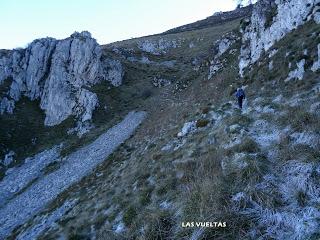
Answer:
(129, 215)
(248, 145)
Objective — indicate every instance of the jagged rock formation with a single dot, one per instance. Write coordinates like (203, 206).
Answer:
(271, 21)
(114, 71)
(57, 72)
(297, 73)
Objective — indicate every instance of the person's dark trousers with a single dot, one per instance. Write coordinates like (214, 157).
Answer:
(240, 100)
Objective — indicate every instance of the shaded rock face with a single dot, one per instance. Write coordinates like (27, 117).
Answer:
(56, 72)
(114, 71)
(316, 65)
(270, 22)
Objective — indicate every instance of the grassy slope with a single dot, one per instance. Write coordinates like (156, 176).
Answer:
(174, 107)
(141, 158)
(117, 100)
(139, 177)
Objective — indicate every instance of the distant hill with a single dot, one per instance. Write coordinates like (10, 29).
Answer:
(215, 19)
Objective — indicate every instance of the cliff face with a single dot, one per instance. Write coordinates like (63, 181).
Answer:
(271, 21)
(56, 72)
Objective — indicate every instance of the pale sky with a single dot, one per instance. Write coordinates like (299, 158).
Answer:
(22, 21)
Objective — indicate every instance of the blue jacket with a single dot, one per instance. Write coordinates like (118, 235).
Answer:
(240, 93)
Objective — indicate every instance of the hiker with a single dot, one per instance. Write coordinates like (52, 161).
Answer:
(240, 96)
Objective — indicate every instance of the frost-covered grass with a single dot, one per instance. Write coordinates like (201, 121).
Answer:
(294, 193)
(283, 203)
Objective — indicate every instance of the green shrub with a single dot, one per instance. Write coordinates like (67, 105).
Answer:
(129, 215)
(145, 196)
(247, 145)
(301, 119)
(269, 16)
(205, 110)
(159, 226)
(76, 236)
(156, 156)
(202, 123)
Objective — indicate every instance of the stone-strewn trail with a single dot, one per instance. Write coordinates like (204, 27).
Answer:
(74, 167)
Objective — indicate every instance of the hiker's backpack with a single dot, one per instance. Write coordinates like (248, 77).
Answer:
(240, 93)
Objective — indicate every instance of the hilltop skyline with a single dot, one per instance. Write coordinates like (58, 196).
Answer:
(108, 21)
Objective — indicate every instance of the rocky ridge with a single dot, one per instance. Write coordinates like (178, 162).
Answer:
(58, 73)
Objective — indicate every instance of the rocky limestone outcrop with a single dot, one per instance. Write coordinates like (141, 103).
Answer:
(58, 73)
(158, 47)
(114, 71)
(297, 73)
(270, 21)
(219, 48)
(187, 128)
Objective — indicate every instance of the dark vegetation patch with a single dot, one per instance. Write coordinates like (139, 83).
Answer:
(202, 123)
(18, 131)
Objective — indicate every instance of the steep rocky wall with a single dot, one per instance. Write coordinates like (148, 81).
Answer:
(57, 72)
(271, 21)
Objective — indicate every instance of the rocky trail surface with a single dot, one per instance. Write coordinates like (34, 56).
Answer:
(46, 188)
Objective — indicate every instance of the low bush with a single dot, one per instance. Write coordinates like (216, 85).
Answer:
(129, 215)
(202, 123)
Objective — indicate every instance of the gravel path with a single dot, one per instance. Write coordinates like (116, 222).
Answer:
(77, 165)
(17, 179)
